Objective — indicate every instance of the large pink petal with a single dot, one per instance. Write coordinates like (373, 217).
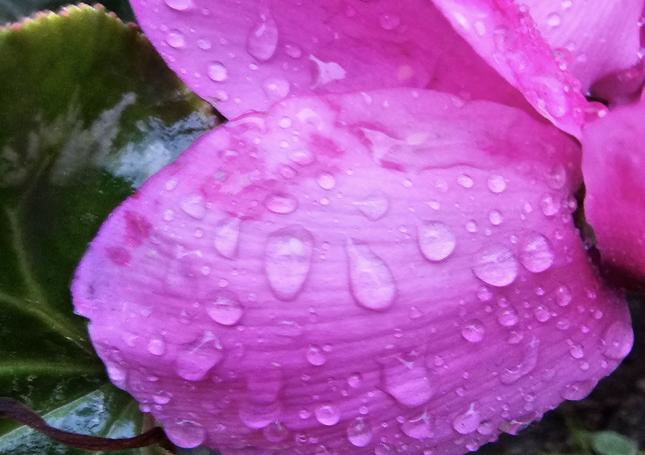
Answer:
(593, 37)
(506, 36)
(380, 272)
(613, 165)
(245, 55)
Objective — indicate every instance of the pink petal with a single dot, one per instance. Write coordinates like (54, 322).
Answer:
(613, 164)
(313, 280)
(244, 56)
(507, 38)
(595, 37)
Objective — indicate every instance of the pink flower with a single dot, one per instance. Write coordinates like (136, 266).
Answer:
(377, 254)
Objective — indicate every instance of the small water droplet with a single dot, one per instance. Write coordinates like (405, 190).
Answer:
(355, 380)
(194, 363)
(419, 427)
(327, 414)
(536, 253)
(436, 240)
(227, 235)
(371, 280)
(473, 331)
(263, 39)
(287, 260)
(553, 20)
(563, 295)
(281, 203)
(467, 422)
(157, 346)
(527, 364)
(549, 205)
(577, 390)
(224, 308)
(316, 356)
(496, 183)
(185, 434)
(179, 5)
(259, 415)
(359, 432)
(465, 181)
(618, 340)
(326, 181)
(389, 21)
(194, 207)
(175, 39)
(495, 265)
(217, 72)
(275, 432)
(374, 206)
(495, 217)
(407, 381)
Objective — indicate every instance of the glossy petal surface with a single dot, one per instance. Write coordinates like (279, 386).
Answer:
(506, 37)
(314, 280)
(614, 159)
(245, 56)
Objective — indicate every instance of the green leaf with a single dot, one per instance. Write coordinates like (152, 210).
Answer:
(15, 10)
(89, 111)
(612, 443)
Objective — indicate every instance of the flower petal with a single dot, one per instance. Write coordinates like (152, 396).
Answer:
(613, 164)
(594, 38)
(244, 56)
(313, 280)
(506, 36)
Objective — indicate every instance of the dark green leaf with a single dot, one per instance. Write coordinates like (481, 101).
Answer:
(612, 443)
(88, 112)
(15, 10)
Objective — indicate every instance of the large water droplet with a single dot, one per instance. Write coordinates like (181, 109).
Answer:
(467, 422)
(195, 363)
(525, 366)
(227, 236)
(536, 253)
(373, 206)
(217, 72)
(224, 308)
(186, 434)
(175, 39)
(495, 265)
(263, 39)
(359, 432)
(287, 260)
(371, 280)
(407, 381)
(327, 414)
(257, 416)
(179, 5)
(436, 240)
(419, 427)
(618, 340)
(473, 331)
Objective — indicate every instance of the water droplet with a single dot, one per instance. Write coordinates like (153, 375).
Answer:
(287, 260)
(217, 72)
(374, 206)
(263, 39)
(419, 427)
(224, 308)
(465, 181)
(327, 72)
(618, 340)
(316, 356)
(549, 205)
(542, 313)
(327, 414)
(496, 183)
(536, 253)
(156, 346)
(185, 434)
(553, 20)
(407, 381)
(467, 422)
(276, 88)
(175, 39)
(495, 265)
(259, 415)
(527, 364)
(275, 432)
(495, 217)
(359, 432)
(389, 21)
(473, 331)
(563, 295)
(194, 207)
(577, 390)
(227, 235)
(436, 240)
(507, 317)
(371, 280)
(326, 181)
(179, 5)
(355, 380)
(194, 363)
(281, 203)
